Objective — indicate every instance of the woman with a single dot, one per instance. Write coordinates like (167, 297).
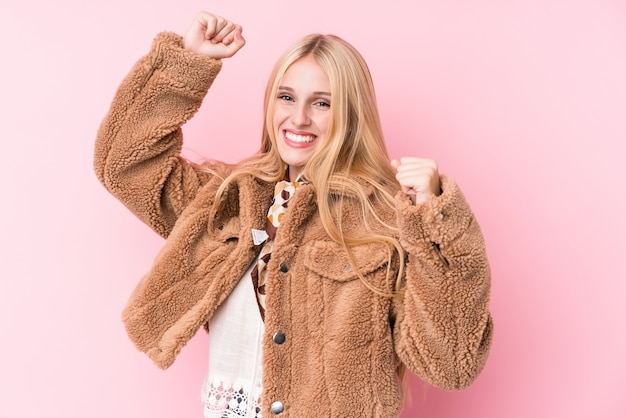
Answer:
(321, 268)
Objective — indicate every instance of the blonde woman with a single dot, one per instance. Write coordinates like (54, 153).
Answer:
(321, 268)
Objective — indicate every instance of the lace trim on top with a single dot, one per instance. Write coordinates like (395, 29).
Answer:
(227, 402)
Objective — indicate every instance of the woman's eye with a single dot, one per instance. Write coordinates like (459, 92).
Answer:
(285, 97)
(323, 104)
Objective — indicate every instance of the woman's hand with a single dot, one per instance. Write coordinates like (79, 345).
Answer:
(213, 36)
(419, 177)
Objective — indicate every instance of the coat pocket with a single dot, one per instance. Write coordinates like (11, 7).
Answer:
(330, 260)
(227, 230)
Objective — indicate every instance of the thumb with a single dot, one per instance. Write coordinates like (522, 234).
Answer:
(395, 164)
(236, 43)
(238, 39)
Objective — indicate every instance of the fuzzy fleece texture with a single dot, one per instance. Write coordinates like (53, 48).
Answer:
(343, 342)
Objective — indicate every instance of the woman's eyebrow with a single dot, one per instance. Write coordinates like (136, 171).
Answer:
(316, 93)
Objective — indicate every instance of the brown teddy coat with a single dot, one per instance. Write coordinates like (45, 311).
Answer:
(343, 342)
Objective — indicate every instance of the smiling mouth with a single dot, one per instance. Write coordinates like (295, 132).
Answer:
(299, 139)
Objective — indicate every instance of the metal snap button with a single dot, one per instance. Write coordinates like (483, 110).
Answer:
(279, 338)
(277, 407)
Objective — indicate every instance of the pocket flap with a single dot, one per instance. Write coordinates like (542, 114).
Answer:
(227, 230)
(330, 260)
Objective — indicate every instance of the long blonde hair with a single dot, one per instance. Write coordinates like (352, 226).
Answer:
(354, 148)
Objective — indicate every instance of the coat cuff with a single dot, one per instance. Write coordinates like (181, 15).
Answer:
(440, 219)
(183, 69)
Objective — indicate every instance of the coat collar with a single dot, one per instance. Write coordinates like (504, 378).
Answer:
(245, 204)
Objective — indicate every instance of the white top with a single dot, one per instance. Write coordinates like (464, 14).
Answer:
(232, 386)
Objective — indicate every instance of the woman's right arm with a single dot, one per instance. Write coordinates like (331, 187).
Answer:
(137, 152)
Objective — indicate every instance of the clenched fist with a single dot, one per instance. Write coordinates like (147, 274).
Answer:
(419, 177)
(213, 36)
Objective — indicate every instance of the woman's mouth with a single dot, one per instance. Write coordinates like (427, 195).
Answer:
(298, 139)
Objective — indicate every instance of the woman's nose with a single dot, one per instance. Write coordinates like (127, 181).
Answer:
(301, 115)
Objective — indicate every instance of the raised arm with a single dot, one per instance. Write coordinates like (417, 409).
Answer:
(137, 152)
(443, 328)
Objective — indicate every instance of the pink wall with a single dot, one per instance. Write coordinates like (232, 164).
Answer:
(524, 102)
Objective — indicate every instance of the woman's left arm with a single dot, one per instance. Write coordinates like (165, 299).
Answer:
(442, 328)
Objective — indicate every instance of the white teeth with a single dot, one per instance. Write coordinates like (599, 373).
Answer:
(303, 139)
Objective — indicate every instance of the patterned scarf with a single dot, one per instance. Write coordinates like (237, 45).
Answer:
(283, 192)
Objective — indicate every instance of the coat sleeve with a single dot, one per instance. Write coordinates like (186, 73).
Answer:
(443, 328)
(137, 152)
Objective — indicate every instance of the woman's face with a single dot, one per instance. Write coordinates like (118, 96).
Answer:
(301, 113)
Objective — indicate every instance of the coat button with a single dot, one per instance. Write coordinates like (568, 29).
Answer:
(283, 267)
(279, 338)
(277, 408)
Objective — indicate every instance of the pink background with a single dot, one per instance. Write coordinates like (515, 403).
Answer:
(523, 102)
